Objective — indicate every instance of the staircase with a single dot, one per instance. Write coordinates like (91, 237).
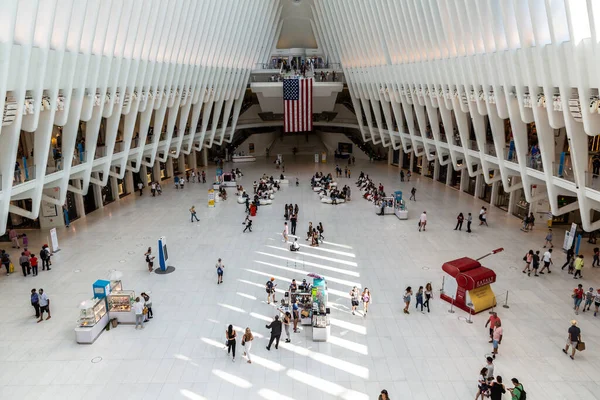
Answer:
(305, 143)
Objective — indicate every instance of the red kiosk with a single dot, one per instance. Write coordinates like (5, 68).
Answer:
(469, 287)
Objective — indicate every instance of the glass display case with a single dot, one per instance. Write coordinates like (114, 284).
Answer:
(121, 301)
(91, 311)
(116, 286)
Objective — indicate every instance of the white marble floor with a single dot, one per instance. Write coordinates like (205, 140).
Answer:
(180, 353)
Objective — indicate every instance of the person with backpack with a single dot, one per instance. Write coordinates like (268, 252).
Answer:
(149, 259)
(413, 194)
(270, 289)
(45, 256)
(517, 392)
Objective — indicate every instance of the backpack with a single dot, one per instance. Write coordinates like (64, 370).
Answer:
(522, 393)
(269, 288)
(43, 254)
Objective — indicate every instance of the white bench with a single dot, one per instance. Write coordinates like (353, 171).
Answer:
(264, 202)
(327, 200)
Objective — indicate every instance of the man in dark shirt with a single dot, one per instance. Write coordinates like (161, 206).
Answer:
(573, 339)
(275, 327)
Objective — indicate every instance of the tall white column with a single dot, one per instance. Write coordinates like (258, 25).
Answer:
(169, 164)
(436, 169)
(129, 182)
(494, 194)
(449, 174)
(478, 187)
(156, 170)
(204, 158)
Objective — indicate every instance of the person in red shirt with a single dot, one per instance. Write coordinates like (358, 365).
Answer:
(577, 297)
(492, 323)
(34, 264)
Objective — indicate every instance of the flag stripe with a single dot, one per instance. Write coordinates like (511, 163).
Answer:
(298, 104)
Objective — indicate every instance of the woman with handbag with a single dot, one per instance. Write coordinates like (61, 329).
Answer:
(247, 343)
(148, 304)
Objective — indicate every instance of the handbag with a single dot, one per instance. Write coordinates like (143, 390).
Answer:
(525, 258)
(580, 346)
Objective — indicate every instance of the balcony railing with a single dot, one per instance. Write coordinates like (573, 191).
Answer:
(563, 171)
(535, 162)
(23, 175)
(55, 165)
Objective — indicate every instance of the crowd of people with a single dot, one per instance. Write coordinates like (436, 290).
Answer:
(28, 261)
(326, 187)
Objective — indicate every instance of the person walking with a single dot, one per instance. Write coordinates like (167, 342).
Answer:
(492, 323)
(536, 263)
(35, 302)
(275, 328)
(589, 297)
(408, 175)
(34, 264)
(203, 177)
(517, 391)
(5, 261)
(247, 343)
(149, 259)
(138, 309)
(548, 239)
(230, 335)
(148, 304)
(220, 267)
(284, 234)
(309, 233)
(45, 256)
(406, 299)
(547, 261)
(573, 339)
(489, 367)
(595, 260)
(14, 238)
(419, 297)
(193, 214)
(484, 217)
(482, 387)
(294, 220)
(366, 299)
(578, 264)
(140, 186)
(428, 295)
(44, 302)
(497, 338)
(24, 263)
(459, 221)
(401, 176)
(597, 303)
(413, 193)
(423, 221)
(153, 189)
(528, 258)
(577, 297)
(354, 296)
(248, 223)
(481, 212)
(270, 289)
(570, 254)
(295, 315)
(469, 221)
(286, 214)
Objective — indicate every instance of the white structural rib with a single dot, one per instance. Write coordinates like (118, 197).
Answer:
(443, 78)
(121, 67)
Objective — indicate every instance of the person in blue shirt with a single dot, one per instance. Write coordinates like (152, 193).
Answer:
(35, 302)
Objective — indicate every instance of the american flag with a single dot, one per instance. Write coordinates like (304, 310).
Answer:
(297, 104)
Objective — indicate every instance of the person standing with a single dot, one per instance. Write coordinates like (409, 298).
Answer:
(413, 193)
(354, 296)
(516, 391)
(570, 254)
(138, 309)
(270, 289)
(296, 315)
(482, 386)
(490, 367)
(419, 297)
(481, 212)
(153, 189)
(35, 302)
(247, 343)
(220, 267)
(492, 323)
(423, 221)
(573, 339)
(595, 260)
(408, 175)
(536, 263)
(5, 261)
(406, 299)
(140, 186)
(497, 338)
(383, 395)
(578, 264)
(577, 297)
(597, 302)
(287, 320)
(24, 263)
(469, 221)
(44, 302)
(34, 264)
(401, 176)
(285, 232)
(459, 221)
(275, 328)
(428, 295)
(193, 214)
(14, 238)
(45, 256)
(548, 239)
(547, 261)
(528, 260)
(149, 259)
(366, 299)
(65, 215)
(497, 389)
(294, 220)
(309, 234)
(230, 335)
(148, 304)
(203, 177)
